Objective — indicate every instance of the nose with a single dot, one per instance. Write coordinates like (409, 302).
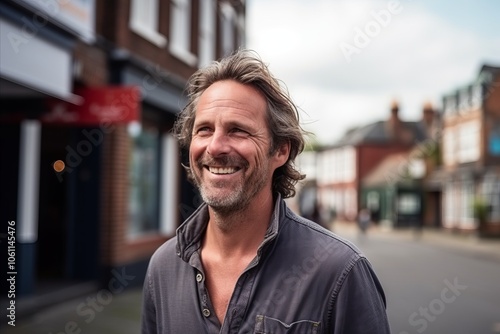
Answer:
(219, 144)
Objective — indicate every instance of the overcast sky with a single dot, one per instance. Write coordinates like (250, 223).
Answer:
(344, 61)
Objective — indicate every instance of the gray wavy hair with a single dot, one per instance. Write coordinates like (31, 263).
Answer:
(246, 67)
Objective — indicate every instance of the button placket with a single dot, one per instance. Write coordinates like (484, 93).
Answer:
(206, 312)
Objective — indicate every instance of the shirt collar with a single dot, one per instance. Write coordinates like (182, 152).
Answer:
(190, 232)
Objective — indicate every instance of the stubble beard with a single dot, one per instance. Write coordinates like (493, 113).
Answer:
(229, 203)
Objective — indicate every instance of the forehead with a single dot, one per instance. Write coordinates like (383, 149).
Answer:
(231, 99)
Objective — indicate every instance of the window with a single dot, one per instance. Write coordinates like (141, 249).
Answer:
(468, 142)
(417, 168)
(450, 206)
(466, 200)
(180, 38)
(306, 162)
(143, 179)
(494, 138)
(342, 166)
(144, 16)
(373, 201)
(339, 201)
(450, 104)
(228, 28)
(464, 100)
(491, 193)
(208, 9)
(408, 204)
(349, 172)
(449, 146)
(477, 96)
(326, 160)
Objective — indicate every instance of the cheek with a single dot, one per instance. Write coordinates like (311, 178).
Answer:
(195, 152)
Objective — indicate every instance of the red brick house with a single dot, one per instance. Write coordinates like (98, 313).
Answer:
(343, 166)
(470, 175)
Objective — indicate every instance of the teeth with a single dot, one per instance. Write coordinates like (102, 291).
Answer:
(222, 170)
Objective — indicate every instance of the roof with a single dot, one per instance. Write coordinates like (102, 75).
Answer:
(378, 133)
(390, 170)
(487, 74)
(489, 68)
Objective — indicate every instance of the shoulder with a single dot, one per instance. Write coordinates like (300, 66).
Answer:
(164, 256)
(310, 236)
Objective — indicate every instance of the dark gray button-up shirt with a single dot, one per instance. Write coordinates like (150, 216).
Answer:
(304, 279)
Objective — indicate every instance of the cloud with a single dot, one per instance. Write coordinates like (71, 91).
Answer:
(415, 56)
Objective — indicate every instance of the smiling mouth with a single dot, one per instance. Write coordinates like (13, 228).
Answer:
(222, 170)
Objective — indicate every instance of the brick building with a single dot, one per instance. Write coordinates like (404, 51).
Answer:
(470, 174)
(90, 91)
(343, 166)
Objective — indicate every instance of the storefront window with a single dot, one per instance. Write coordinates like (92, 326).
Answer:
(373, 201)
(450, 205)
(409, 204)
(467, 198)
(491, 193)
(144, 180)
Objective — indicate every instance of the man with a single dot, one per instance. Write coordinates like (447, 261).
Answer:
(243, 262)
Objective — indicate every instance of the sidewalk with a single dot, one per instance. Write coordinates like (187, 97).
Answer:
(91, 314)
(470, 244)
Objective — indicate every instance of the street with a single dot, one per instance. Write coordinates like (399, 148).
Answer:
(433, 287)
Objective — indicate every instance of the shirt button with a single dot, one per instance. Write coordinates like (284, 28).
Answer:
(206, 312)
(199, 277)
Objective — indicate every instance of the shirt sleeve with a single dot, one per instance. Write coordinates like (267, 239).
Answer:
(148, 317)
(360, 306)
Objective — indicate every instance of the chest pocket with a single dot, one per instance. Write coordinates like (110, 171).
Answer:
(268, 325)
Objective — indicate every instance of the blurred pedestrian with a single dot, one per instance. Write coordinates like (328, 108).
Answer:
(244, 262)
(364, 219)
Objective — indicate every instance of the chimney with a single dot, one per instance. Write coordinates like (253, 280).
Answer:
(393, 125)
(394, 111)
(428, 114)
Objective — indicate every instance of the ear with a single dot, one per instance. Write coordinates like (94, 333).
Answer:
(282, 153)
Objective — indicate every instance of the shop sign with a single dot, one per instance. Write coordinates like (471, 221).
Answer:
(101, 105)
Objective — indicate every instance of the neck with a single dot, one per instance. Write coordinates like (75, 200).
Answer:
(240, 233)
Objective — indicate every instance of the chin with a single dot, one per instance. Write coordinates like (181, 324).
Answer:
(225, 203)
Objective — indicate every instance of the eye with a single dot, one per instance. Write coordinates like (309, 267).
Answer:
(239, 131)
(203, 130)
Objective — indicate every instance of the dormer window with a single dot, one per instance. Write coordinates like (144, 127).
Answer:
(450, 104)
(477, 96)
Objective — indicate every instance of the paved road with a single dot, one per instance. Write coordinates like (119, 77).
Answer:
(434, 287)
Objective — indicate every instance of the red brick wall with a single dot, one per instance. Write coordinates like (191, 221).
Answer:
(491, 119)
(370, 155)
(112, 22)
(93, 68)
(116, 248)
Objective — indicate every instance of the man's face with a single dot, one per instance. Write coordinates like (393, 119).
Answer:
(230, 149)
